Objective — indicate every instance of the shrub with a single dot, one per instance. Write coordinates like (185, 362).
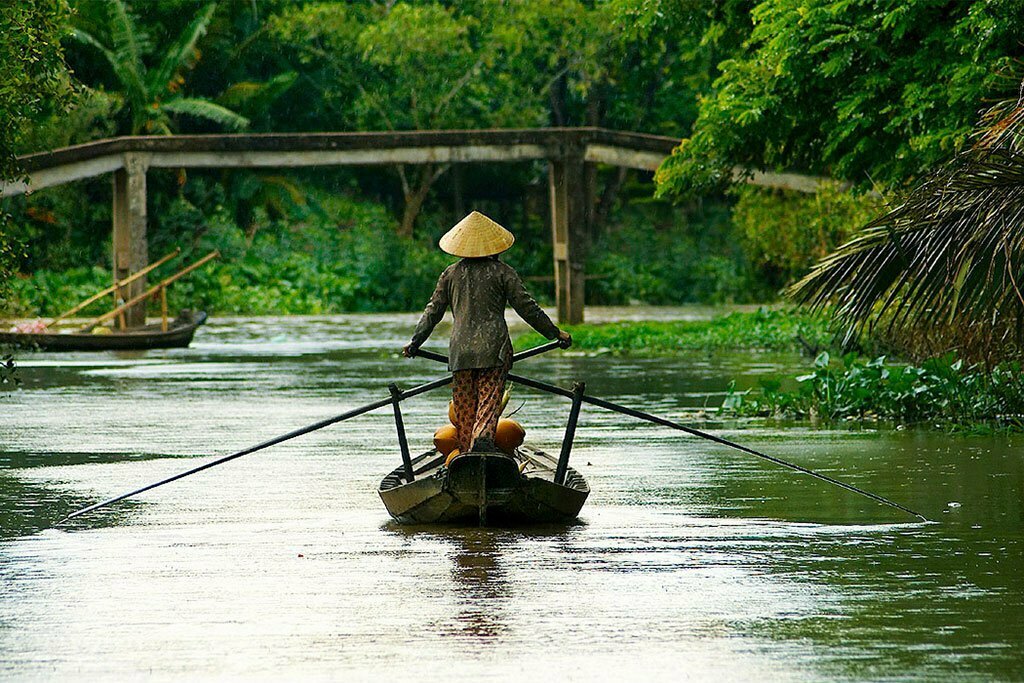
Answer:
(660, 255)
(785, 233)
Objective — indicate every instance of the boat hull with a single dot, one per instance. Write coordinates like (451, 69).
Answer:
(485, 489)
(178, 335)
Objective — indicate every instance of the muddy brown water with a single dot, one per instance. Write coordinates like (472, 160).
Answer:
(689, 560)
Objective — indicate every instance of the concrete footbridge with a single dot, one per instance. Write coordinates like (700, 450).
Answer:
(567, 151)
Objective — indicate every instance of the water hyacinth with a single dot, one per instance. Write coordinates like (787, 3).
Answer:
(941, 390)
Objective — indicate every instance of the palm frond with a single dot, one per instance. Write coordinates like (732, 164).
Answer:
(180, 50)
(125, 48)
(192, 106)
(952, 251)
(1002, 126)
(87, 38)
(256, 97)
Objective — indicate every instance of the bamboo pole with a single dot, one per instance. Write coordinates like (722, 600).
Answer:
(163, 309)
(152, 290)
(115, 287)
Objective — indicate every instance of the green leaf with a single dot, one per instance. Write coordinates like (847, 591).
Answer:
(205, 109)
(127, 60)
(178, 53)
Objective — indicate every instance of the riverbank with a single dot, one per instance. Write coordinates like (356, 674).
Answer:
(817, 384)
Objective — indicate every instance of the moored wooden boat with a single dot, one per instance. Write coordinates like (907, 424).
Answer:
(484, 488)
(178, 334)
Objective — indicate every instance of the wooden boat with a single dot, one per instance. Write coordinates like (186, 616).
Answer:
(484, 488)
(178, 334)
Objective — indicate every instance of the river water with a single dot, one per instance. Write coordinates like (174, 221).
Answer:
(690, 561)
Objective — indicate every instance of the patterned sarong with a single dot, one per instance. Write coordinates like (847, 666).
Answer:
(477, 395)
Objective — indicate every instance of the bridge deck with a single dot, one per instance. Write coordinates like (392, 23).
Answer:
(633, 150)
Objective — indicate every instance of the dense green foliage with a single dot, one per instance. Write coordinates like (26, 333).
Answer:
(33, 77)
(486, 64)
(764, 329)
(660, 255)
(151, 96)
(354, 66)
(336, 260)
(942, 391)
(33, 82)
(784, 233)
(339, 256)
(881, 93)
(871, 91)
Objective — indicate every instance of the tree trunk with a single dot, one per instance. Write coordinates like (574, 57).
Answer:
(558, 94)
(416, 194)
(595, 118)
(411, 210)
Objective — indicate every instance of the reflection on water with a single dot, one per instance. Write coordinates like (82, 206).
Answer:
(477, 575)
(690, 560)
(477, 570)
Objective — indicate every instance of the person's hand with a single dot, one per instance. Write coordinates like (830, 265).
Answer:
(565, 338)
(409, 350)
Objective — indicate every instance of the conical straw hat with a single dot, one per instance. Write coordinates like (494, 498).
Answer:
(475, 236)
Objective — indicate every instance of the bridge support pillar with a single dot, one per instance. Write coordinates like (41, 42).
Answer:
(131, 251)
(568, 219)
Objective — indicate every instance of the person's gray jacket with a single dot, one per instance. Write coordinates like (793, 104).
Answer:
(477, 290)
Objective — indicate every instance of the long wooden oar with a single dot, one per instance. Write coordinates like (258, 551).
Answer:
(401, 395)
(639, 414)
(355, 412)
(537, 350)
(516, 357)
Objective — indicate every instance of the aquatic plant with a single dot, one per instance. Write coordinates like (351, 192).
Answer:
(943, 391)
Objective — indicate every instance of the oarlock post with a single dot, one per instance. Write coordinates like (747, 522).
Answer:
(403, 444)
(570, 432)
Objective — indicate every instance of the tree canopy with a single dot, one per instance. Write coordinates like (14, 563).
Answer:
(33, 82)
(152, 95)
(869, 91)
(33, 77)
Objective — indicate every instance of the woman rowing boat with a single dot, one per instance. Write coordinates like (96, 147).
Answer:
(477, 288)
